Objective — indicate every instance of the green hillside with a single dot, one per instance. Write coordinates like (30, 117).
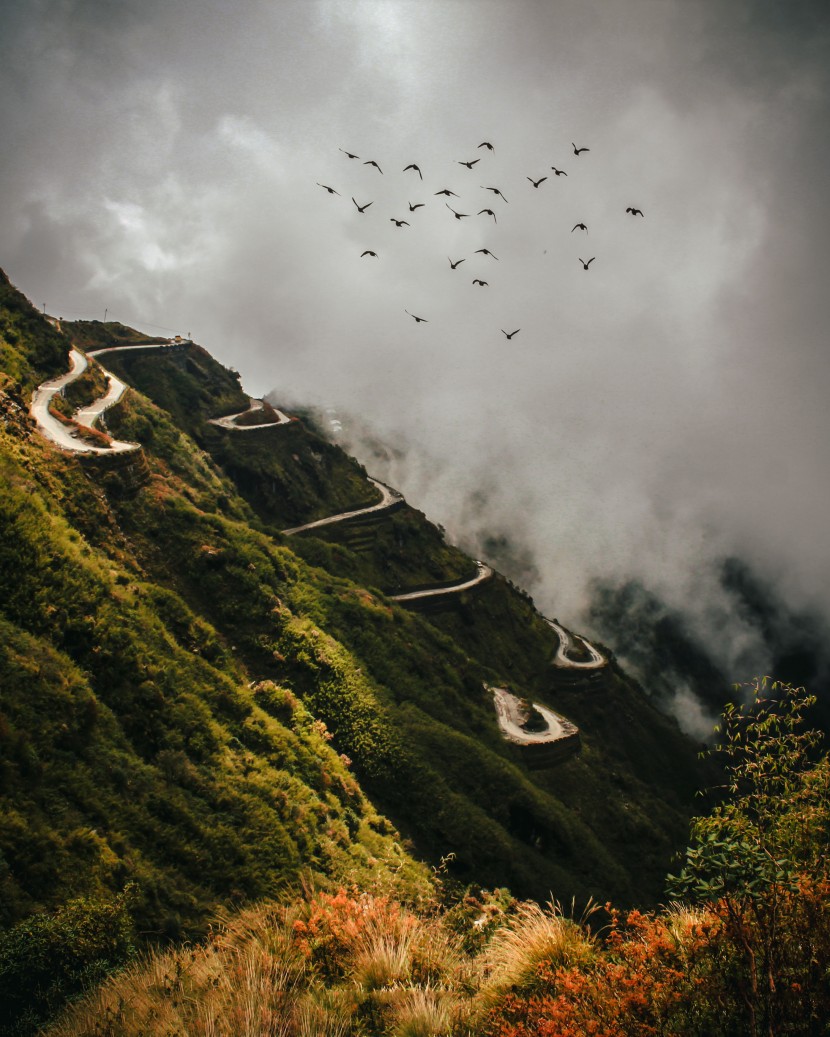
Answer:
(197, 704)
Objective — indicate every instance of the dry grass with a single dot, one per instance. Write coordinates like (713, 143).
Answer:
(534, 936)
(400, 973)
(383, 961)
(248, 980)
(419, 1012)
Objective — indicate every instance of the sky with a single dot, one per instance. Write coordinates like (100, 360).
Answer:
(162, 163)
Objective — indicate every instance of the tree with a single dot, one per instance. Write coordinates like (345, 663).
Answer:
(762, 853)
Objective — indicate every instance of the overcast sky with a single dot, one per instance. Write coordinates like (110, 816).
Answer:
(162, 161)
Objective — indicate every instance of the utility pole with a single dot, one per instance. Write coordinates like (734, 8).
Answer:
(105, 313)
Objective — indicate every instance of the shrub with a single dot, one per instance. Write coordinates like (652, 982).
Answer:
(51, 957)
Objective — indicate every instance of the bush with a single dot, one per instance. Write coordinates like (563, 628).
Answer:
(51, 957)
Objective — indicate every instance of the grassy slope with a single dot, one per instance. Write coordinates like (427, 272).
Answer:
(188, 564)
(640, 765)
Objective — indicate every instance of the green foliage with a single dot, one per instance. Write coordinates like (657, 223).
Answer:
(776, 817)
(52, 957)
(31, 350)
(762, 854)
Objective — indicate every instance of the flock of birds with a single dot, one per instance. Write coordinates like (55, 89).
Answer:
(486, 211)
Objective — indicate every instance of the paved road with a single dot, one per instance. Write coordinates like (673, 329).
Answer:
(89, 415)
(508, 710)
(64, 435)
(230, 421)
(484, 573)
(566, 645)
(389, 498)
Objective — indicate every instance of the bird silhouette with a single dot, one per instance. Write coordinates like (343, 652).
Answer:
(478, 281)
(511, 333)
(559, 172)
(487, 144)
(579, 226)
(586, 265)
(487, 252)
(489, 213)
(348, 154)
(469, 165)
(447, 192)
(416, 168)
(635, 212)
(325, 187)
(495, 190)
(536, 183)
(418, 320)
(457, 215)
(371, 162)
(362, 208)
(398, 223)
(456, 263)
(368, 252)
(417, 205)
(577, 150)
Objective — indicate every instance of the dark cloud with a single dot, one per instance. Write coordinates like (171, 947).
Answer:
(657, 413)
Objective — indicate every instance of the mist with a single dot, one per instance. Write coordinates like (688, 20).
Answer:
(660, 412)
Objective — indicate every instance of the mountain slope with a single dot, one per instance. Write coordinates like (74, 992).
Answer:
(230, 669)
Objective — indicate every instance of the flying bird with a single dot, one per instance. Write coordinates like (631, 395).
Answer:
(447, 192)
(456, 263)
(368, 252)
(416, 168)
(579, 226)
(325, 187)
(487, 144)
(577, 150)
(559, 172)
(536, 183)
(495, 190)
(371, 162)
(635, 212)
(489, 213)
(398, 223)
(478, 281)
(487, 252)
(586, 265)
(418, 320)
(469, 165)
(362, 208)
(457, 215)
(348, 154)
(417, 205)
(511, 333)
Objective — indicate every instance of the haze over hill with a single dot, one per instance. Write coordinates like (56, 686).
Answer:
(655, 415)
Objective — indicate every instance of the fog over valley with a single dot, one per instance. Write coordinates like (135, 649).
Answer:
(655, 415)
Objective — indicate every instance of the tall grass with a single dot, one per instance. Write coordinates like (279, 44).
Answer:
(327, 967)
(247, 980)
(533, 937)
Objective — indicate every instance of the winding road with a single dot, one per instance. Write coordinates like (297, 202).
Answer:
(566, 645)
(65, 436)
(231, 421)
(559, 731)
(511, 715)
(389, 498)
(484, 572)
